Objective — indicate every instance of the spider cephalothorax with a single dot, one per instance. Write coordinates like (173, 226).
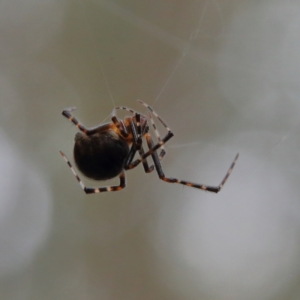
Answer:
(108, 150)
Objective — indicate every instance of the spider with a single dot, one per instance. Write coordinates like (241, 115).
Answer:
(108, 150)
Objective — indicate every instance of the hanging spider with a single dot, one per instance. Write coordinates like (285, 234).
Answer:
(108, 150)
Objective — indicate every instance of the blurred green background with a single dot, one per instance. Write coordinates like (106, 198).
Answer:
(225, 77)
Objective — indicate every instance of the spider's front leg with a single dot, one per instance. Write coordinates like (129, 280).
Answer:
(88, 131)
(67, 113)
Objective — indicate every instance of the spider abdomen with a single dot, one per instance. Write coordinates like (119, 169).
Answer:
(100, 156)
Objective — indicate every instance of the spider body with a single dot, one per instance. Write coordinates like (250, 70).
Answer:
(108, 150)
(101, 155)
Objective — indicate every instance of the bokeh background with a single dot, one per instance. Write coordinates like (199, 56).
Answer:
(225, 75)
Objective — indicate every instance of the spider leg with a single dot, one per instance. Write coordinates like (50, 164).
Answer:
(158, 167)
(151, 109)
(155, 114)
(88, 131)
(163, 151)
(145, 162)
(120, 124)
(137, 144)
(162, 141)
(139, 141)
(67, 113)
(135, 125)
(152, 150)
(127, 109)
(136, 131)
(89, 190)
(130, 157)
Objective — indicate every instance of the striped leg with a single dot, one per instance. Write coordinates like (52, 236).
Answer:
(127, 109)
(135, 126)
(137, 146)
(88, 131)
(213, 189)
(67, 113)
(137, 135)
(163, 151)
(150, 151)
(147, 169)
(156, 115)
(136, 129)
(89, 190)
(120, 124)
(162, 141)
